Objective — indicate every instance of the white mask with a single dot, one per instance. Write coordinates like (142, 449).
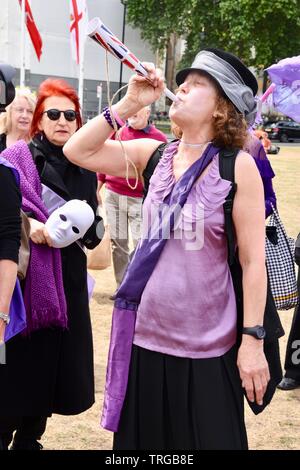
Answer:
(69, 222)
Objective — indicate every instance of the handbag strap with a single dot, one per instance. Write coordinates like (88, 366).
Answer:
(280, 224)
(278, 220)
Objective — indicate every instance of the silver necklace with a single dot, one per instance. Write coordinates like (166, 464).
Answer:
(194, 145)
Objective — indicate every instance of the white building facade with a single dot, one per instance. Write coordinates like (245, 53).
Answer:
(53, 22)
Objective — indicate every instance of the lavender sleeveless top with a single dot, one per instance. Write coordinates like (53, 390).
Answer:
(188, 306)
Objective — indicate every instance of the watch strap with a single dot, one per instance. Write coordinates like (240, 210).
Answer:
(256, 331)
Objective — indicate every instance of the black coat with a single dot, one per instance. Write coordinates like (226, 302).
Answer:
(52, 370)
(2, 142)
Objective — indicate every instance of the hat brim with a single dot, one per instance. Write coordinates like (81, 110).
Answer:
(182, 74)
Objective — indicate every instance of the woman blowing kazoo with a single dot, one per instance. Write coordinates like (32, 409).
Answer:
(183, 374)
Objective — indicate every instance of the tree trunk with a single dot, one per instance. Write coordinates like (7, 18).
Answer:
(171, 62)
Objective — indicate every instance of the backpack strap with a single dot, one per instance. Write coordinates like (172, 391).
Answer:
(227, 159)
(151, 165)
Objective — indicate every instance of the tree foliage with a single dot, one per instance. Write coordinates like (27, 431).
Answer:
(261, 32)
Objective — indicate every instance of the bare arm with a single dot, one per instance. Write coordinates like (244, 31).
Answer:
(99, 186)
(249, 221)
(8, 276)
(91, 148)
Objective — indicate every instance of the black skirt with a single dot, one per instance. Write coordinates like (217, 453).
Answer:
(175, 403)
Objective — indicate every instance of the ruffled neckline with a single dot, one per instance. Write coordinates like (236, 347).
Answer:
(211, 189)
(163, 180)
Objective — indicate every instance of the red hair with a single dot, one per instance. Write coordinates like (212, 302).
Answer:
(53, 87)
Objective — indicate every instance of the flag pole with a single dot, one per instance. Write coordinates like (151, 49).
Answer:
(81, 75)
(22, 68)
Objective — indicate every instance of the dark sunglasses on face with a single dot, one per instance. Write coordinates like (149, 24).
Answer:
(54, 114)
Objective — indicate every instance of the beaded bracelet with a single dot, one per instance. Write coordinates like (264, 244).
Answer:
(107, 116)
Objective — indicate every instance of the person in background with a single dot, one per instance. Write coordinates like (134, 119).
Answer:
(263, 137)
(16, 121)
(123, 203)
(291, 379)
(10, 237)
(49, 368)
(255, 148)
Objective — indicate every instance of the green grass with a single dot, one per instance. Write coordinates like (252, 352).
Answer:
(286, 166)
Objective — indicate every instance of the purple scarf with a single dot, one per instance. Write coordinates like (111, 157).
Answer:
(131, 289)
(44, 296)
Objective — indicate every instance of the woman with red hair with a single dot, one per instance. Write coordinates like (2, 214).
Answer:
(50, 366)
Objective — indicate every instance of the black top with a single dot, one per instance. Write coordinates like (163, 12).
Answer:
(2, 142)
(10, 220)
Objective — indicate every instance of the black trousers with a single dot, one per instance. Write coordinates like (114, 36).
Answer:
(292, 356)
(26, 427)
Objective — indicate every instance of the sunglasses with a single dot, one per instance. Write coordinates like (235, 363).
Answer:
(54, 114)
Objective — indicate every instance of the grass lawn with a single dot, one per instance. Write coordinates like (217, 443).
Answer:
(286, 166)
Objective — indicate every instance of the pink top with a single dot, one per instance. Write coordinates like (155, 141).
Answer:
(119, 185)
(188, 306)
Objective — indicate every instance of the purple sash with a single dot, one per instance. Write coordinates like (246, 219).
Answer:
(17, 312)
(131, 289)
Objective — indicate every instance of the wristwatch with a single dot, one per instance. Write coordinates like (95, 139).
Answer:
(4, 317)
(257, 331)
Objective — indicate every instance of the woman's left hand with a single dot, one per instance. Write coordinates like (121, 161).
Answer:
(253, 368)
(39, 233)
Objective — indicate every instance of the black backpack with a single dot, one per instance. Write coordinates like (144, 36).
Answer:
(272, 321)
(151, 165)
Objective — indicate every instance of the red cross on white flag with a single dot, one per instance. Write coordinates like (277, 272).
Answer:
(78, 24)
(32, 29)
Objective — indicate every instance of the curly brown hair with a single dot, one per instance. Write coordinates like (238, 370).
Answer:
(230, 126)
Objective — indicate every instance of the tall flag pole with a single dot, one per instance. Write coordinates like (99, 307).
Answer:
(22, 68)
(27, 18)
(78, 25)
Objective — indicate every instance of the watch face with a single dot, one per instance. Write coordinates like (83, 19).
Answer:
(261, 332)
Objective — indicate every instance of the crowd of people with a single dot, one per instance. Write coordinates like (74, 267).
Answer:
(182, 356)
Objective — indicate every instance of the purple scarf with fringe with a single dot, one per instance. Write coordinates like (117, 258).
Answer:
(44, 296)
(129, 294)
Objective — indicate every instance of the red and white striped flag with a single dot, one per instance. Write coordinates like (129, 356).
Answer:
(78, 25)
(32, 29)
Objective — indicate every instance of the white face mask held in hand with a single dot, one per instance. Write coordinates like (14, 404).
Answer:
(69, 222)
